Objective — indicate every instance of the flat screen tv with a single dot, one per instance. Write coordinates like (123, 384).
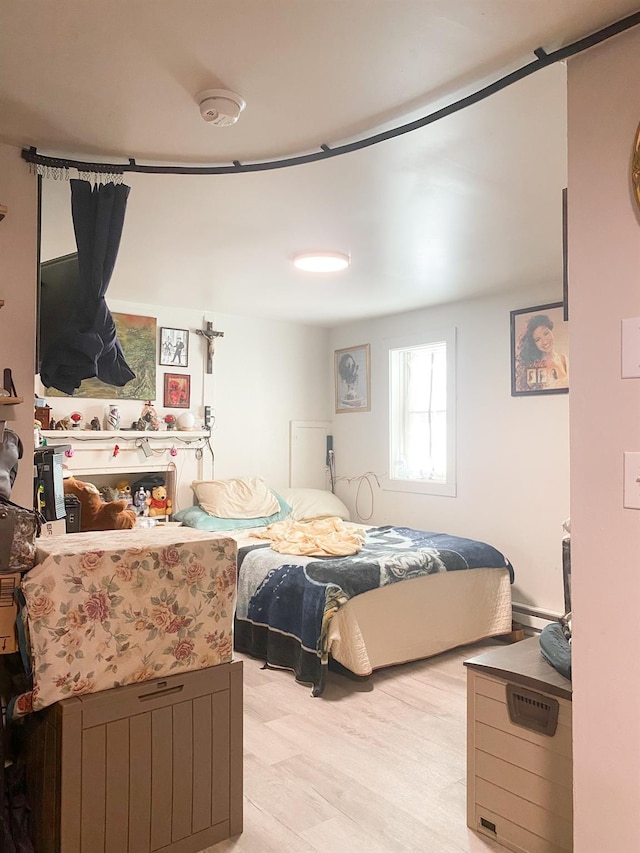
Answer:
(58, 294)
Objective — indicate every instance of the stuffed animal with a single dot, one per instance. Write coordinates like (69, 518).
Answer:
(123, 490)
(108, 493)
(94, 513)
(140, 501)
(159, 503)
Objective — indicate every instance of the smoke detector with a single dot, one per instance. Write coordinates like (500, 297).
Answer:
(220, 107)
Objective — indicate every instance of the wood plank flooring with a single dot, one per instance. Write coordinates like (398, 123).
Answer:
(376, 766)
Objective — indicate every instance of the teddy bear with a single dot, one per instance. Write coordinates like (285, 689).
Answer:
(94, 513)
(159, 503)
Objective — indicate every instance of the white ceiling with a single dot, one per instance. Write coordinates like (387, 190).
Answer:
(468, 205)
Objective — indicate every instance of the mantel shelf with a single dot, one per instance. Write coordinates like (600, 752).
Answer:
(166, 435)
(11, 401)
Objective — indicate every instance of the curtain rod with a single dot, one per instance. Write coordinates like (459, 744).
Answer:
(543, 59)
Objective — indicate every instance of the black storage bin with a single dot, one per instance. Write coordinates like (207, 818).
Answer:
(73, 510)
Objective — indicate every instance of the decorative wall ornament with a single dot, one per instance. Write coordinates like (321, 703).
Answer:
(635, 167)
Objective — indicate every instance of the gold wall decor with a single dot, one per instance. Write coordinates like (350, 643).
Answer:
(635, 167)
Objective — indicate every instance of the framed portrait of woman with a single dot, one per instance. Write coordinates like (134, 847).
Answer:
(539, 350)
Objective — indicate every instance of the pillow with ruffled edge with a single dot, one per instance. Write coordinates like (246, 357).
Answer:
(307, 504)
(237, 497)
(195, 516)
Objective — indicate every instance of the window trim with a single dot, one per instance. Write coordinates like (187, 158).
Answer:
(417, 339)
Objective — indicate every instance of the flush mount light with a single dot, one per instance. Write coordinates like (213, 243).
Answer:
(321, 261)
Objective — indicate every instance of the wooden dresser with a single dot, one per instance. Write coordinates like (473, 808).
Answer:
(519, 758)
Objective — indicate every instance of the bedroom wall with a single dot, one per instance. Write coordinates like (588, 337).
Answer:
(18, 191)
(512, 452)
(604, 264)
(265, 374)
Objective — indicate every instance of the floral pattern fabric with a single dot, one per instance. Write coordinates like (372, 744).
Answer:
(107, 609)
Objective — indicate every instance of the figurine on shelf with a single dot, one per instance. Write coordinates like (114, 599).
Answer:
(76, 418)
(95, 423)
(123, 489)
(112, 420)
(52, 424)
(108, 494)
(140, 501)
(150, 416)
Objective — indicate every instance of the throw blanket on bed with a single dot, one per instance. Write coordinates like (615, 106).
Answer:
(322, 537)
(285, 605)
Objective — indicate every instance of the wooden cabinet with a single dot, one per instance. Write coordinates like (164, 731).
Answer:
(519, 754)
(154, 767)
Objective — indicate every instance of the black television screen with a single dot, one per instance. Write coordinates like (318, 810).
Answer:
(59, 293)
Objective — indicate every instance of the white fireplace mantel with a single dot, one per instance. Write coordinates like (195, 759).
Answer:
(98, 455)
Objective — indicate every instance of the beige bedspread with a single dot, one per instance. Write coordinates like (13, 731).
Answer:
(322, 537)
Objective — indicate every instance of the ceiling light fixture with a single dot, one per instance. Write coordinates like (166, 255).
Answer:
(321, 261)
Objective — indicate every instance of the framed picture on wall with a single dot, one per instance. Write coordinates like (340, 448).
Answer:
(177, 391)
(174, 347)
(539, 350)
(352, 379)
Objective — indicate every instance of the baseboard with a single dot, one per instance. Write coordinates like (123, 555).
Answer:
(533, 617)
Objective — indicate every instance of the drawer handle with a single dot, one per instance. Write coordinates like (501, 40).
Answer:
(161, 691)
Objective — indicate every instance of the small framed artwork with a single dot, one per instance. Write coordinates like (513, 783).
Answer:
(177, 391)
(174, 347)
(539, 350)
(352, 379)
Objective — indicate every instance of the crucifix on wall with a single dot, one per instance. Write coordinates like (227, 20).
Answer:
(211, 336)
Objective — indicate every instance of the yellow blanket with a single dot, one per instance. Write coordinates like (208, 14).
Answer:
(322, 537)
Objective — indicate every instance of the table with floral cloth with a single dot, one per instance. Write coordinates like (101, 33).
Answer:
(107, 609)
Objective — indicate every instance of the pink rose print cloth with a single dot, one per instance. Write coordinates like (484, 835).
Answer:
(113, 608)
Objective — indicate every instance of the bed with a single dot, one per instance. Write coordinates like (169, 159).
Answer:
(404, 595)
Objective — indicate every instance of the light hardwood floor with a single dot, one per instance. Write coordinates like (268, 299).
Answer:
(376, 766)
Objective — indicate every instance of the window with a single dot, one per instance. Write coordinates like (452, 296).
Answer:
(422, 415)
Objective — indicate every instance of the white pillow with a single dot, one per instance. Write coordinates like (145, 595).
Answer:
(240, 497)
(314, 503)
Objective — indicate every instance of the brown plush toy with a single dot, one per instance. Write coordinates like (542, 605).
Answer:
(94, 513)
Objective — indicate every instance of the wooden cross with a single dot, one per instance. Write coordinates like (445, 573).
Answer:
(211, 336)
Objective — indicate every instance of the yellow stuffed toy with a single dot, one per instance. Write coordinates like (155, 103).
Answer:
(159, 503)
(94, 513)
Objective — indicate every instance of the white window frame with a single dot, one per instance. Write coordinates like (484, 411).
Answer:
(425, 487)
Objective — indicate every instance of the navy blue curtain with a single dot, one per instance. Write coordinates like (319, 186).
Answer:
(89, 345)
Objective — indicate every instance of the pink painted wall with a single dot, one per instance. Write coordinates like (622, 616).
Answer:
(604, 270)
(18, 246)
